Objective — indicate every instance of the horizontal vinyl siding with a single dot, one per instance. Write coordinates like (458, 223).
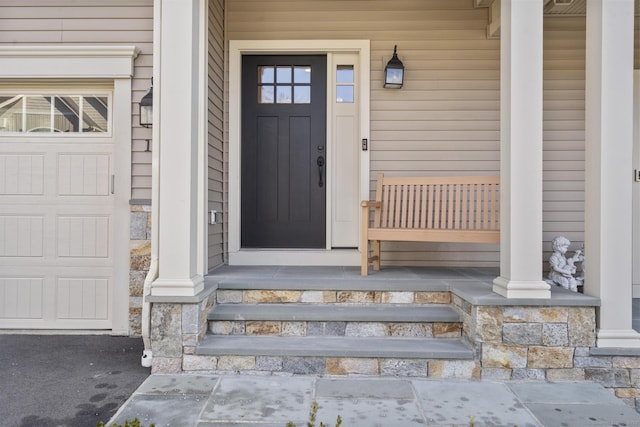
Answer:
(445, 120)
(92, 22)
(216, 132)
(564, 149)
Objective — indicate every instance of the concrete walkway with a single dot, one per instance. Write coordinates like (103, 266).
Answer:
(273, 401)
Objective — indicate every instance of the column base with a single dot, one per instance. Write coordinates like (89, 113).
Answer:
(625, 338)
(521, 289)
(178, 287)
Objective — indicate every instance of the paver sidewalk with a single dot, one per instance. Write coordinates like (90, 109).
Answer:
(269, 401)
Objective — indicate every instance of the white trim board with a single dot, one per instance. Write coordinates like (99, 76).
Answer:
(109, 62)
(237, 48)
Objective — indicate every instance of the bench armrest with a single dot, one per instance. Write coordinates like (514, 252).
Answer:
(370, 204)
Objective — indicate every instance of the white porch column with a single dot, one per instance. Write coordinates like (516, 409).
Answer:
(176, 108)
(521, 151)
(609, 151)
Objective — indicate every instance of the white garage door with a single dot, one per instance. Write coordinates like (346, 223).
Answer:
(56, 211)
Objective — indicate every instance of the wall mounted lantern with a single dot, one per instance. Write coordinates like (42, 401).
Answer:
(146, 108)
(394, 72)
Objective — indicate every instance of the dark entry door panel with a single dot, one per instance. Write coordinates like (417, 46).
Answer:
(283, 181)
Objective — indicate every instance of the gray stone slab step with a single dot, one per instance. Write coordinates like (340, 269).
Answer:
(335, 313)
(335, 284)
(326, 346)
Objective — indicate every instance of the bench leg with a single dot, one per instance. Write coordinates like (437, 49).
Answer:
(376, 255)
(364, 258)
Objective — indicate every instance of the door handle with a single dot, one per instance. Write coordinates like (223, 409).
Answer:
(320, 162)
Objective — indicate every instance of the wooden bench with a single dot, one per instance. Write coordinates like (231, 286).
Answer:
(430, 209)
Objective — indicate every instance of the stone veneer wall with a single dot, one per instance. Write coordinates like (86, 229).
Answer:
(176, 330)
(139, 261)
(177, 324)
(546, 343)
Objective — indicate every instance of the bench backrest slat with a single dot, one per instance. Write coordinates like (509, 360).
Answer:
(442, 202)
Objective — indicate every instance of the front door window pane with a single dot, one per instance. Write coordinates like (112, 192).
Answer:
(283, 95)
(265, 94)
(302, 75)
(266, 74)
(283, 75)
(302, 94)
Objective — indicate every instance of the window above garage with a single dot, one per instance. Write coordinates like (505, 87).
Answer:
(55, 113)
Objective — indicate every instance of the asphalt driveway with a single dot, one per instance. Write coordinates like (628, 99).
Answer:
(66, 380)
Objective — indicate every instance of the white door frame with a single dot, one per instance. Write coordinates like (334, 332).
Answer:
(636, 185)
(327, 256)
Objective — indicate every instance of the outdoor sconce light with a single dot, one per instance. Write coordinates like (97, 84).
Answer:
(146, 108)
(394, 72)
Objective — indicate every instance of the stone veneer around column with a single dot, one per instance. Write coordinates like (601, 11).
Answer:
(550, 340)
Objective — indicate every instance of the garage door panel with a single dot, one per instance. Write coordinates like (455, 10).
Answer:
(22, 174)
(84, 174)
(83, 236)
(21, 297)
(21, 236)
(82, 298)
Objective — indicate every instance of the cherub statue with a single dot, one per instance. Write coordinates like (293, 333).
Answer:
(562, 269)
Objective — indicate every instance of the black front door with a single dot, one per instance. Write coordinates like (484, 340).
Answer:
(283, 161)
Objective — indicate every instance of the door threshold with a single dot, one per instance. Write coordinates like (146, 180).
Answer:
(322, 257)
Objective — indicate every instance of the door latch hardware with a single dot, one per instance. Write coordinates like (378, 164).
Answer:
(320, 162)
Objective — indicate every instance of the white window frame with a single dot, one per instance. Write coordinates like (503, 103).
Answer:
(79, 90)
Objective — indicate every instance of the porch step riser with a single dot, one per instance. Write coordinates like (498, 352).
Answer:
(346, 329)
(261, 365)
(326, 355)
(275, 296)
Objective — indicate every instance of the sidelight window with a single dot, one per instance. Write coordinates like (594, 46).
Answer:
(344, 84)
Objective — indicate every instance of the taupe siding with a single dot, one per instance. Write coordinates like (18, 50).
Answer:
(95, 22)
(216, 131)
(446, 118)
(564, 89)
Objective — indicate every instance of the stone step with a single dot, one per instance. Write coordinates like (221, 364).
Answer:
(427, 321)
(326, 291)
(357, 283)
(334, 356)
(325, 346)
